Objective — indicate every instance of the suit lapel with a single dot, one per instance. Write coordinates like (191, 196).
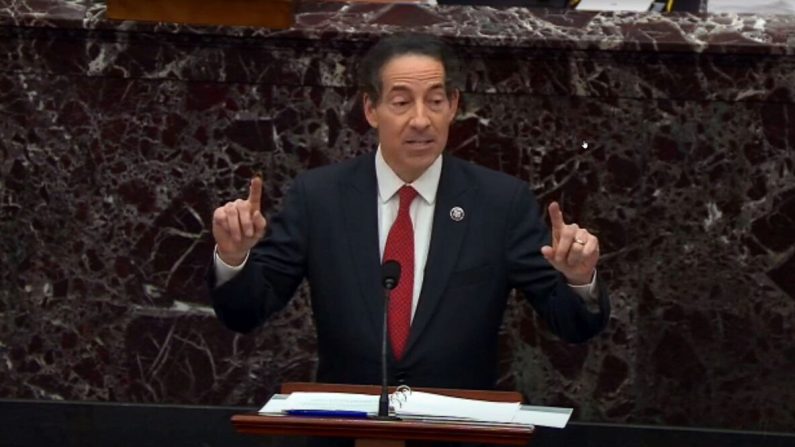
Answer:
(359, 199)
(447, 235)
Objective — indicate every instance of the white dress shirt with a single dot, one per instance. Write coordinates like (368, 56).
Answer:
(421, 213)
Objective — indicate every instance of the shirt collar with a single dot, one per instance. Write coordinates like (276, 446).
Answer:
(389, 183)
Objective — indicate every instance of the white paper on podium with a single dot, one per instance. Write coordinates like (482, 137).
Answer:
(555, 417)
(614, 5)
(276, 404)
(425, 407)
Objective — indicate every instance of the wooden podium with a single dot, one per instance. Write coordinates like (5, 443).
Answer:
(371, 432)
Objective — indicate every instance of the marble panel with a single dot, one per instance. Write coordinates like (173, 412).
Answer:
(670, 136)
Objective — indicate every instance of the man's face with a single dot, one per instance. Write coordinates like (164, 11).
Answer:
(413, 115)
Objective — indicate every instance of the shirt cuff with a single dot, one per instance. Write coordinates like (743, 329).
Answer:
(586, 291)
(223, 271)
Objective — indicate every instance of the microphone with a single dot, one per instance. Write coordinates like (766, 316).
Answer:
(390, 277)
(390, 274)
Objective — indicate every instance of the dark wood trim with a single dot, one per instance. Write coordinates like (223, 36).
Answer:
(266, 425)
(275, 14)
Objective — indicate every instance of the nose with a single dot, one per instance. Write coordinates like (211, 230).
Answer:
(419, 119)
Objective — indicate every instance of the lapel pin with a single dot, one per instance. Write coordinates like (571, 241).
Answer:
(457, 213)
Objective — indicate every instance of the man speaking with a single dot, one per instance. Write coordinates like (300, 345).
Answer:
(465, 236)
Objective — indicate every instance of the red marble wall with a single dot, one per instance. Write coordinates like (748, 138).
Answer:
(118, 140)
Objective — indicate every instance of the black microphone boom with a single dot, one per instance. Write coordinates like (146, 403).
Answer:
(390, 277)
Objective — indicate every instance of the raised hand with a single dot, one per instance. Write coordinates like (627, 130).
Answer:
(238, 225)
(574, 251)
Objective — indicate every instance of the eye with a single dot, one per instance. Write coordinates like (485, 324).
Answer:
(399, 105)
(437, 103)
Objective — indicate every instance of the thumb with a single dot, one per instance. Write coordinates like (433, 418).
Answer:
(548, 252)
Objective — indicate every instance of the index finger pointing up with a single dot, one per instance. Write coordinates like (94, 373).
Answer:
(556, 216)
(255, 193)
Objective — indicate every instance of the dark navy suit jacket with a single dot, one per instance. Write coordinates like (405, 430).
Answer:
(327, 232)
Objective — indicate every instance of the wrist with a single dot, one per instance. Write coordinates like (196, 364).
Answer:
(231, 259)
(581, 280)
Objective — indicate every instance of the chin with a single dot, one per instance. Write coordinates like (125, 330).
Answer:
(424, 158)
(420, 164)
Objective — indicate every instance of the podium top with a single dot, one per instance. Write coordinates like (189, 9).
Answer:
(490, 395)
(373, 429)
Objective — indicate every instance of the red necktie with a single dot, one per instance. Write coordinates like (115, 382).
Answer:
(400, 247)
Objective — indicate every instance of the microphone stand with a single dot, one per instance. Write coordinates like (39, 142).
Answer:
(383, 402)
(390, 276)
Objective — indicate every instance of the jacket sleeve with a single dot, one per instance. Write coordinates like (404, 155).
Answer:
(559, 306)
(275, 268)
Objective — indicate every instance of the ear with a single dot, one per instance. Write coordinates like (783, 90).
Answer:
(369, 111)
(454, 96)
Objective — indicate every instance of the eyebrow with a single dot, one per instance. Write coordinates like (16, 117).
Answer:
(403, 88)
(399, 89)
